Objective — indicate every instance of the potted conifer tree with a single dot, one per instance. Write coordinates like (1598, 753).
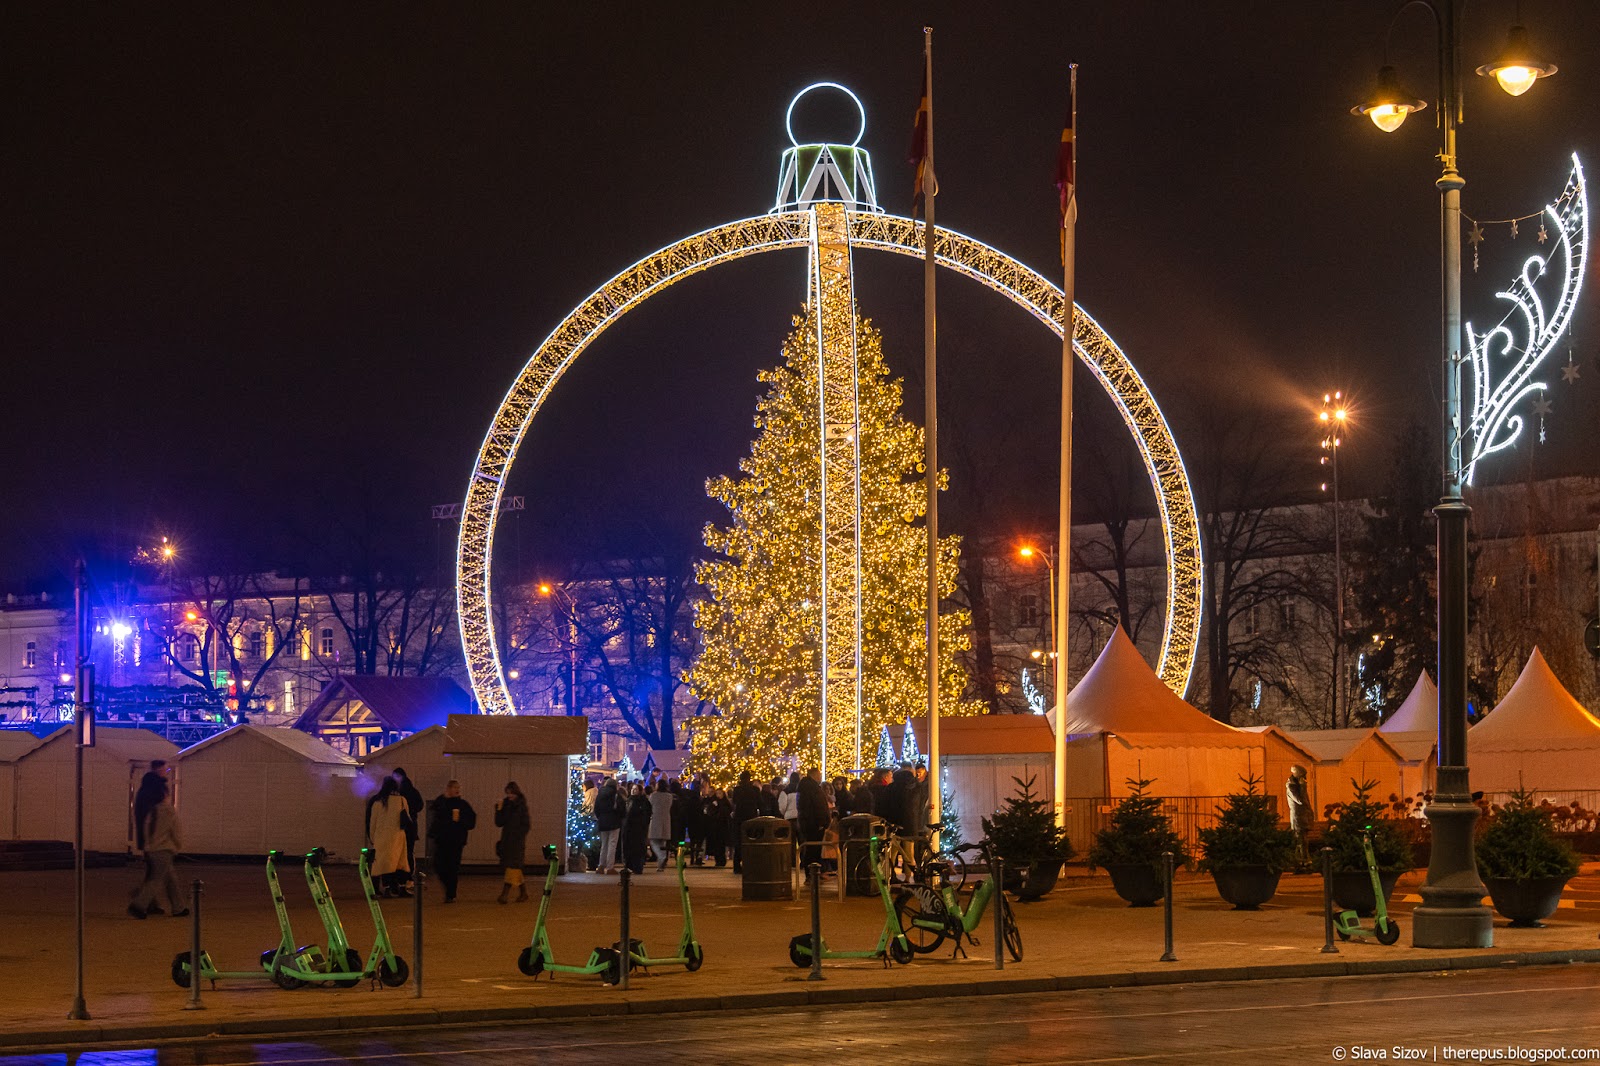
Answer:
(1352, 885)
(1130, 849)
(1247, 850)
(1523, 863)
(1024, 834)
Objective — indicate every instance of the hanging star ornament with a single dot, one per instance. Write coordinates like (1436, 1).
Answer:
(1476, 236)
(1513, 229)
(1544, 234)
(1542, 407)
(1569, 373)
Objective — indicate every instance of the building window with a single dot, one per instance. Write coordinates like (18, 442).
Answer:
(326, 643)
(30, 655)
(188, 647)
(1028, 610)
(1530, 590)
(1251, 620)
(288, 697)
(258, 644)
(1290, 615)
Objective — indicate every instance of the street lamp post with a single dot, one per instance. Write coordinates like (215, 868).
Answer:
(1048, 556)
(560, 596)
(1452, 914)
(1333, 418)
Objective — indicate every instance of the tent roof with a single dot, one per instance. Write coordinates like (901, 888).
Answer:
(135, 745)
(1331, 745)
(402, 746)
(988, 734)
(15, 743)
(1413, 746)
(1282, 735)
(1419, 711)
(1122, 694)
(402, 704)
(495, 734)
(304, 745)
(1538, 714)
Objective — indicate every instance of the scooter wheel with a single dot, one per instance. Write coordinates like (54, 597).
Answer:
(352, 965)
(801, 949)
(612, 974)
(180, 969)
(1342, 934)
(396, 976)
(1390, 933)
(696, 956)
(530, 962)
(900, 951)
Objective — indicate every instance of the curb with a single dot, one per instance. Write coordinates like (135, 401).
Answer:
(145, 1033)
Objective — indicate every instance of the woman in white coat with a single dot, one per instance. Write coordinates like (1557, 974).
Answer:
(387, 815)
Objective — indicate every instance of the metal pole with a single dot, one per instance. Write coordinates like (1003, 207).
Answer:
(194, 949)
(416, 929)
(1452, 914)
(1327, 903)
(1341, 700)
(1168, 861)
(627, 942)
(814, 871)
(930, 415)
(999, 914)
(81, 704)
(1063, 569)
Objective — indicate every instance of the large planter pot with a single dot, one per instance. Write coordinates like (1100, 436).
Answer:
(1352, 890)
(1137, 882)
(1246, 887)
(1526, 903)
(1040, 878)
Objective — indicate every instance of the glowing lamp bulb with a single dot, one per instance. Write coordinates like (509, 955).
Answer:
(1026, 553)
(190, 616)
(1339, 414)
(544, 590)
(1388, 117)
(1516, 80)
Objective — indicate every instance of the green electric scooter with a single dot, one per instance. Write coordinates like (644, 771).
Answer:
(274, 961)
(690, 954)
(343, 967)
(538, 957)
(1384, 928)
(892, 943)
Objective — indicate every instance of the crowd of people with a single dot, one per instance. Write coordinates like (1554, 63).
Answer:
(637, 821)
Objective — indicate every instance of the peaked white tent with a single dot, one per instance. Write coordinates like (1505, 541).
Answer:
(1419, 712)
(253, 789)
(1537, 737)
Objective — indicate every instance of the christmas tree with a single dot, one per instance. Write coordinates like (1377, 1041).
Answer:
(761, 622)
(885, 748)
(582, 833)
(908, 746)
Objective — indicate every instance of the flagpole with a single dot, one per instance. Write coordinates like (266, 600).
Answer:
(931, 441)
(1063, 574)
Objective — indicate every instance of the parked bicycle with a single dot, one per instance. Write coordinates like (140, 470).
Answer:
(938, 905)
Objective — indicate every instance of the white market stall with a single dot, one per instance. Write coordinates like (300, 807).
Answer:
(1538, 737)
(14, 744)
(45, 803)
(253, 789)
(486, 751)
(1345, 756)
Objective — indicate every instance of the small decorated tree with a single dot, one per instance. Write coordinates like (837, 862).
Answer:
(582, 835)
(949, 814)
(885, 756)
(1247, 833)
(1139, 833)
(1519, 843)
(1365, 814)
(1024, 831)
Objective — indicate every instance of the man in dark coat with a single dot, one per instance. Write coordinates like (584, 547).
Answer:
(450, 819)
(811, 806)
(746, 800)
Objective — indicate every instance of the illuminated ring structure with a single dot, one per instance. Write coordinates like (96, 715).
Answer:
(775, 232)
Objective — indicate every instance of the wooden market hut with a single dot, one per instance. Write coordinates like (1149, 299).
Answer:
(252, 789)
(45, 804)
(359, 714)
(1345, 756)
(486, 751)
(14, 744)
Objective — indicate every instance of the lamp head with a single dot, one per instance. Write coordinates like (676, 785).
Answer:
(1388, 104)
(1517, 66)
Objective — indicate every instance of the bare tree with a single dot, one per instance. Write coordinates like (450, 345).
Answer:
(235, 624)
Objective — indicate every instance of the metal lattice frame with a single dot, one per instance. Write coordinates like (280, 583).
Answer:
(792, 230)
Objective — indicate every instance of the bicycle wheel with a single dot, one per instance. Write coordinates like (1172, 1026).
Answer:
(1008, 927)
(923, 917)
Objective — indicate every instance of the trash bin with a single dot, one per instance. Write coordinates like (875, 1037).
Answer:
(768, 859)
(855, 851)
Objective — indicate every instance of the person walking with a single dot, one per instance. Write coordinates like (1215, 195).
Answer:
(636, 829)
(450, 819)
(511, 815)
(745, 801)
(152, 786)
(387, 815)
(610, 809)
(163, 839)
(413, 798)
(662, 802)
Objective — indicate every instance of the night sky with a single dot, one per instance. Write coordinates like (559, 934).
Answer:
(268, 264)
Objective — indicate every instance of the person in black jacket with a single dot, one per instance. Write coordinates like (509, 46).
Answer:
(811, 815)
(746, 801)
(511, 815)
(636, 830)
(610, 808)
(413, 798)
(717, 817)
(450, 819)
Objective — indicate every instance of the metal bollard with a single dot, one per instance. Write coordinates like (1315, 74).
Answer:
(416, 932)
(996, 870)
(194, 949)
(814, 871)
(1327, 903)
(627, 942)
(1168, 863)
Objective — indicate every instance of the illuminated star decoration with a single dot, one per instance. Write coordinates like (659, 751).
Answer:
(1505, 358)
(1476, 237)
(1541, 407)
(1569, 373)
